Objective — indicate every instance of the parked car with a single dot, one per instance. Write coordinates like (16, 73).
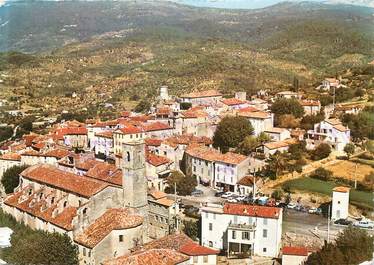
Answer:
(282, 205)
(197, 193)
(364, 224)
(241, 198)
(249, 200)
(315, 210)
(227, 195)
(343, 222)
(271, 203)
(219, 193)
(232, 200)
(291, 206)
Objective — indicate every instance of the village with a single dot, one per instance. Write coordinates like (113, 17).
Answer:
(133, 188)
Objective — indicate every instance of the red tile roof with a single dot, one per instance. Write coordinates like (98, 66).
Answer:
(156, 126)
(59, 179)
(106, 134)
(194, 113)
(150, 257)
(11, 156)
(57, 153)
(233, 101)
(251, 210)
(129, 129)
(280, 144)
(157, 194)
(103, 124)
(40, 209)
(112, 219)
(30, 153)
(341, 189)
(153, 142)
(75, 131)
(254, 114)
(156, 160)
(187, 139)
(315, 103)
(295, 251)
(106, 172)
(202, 94)
(125, 114)
(194, 249)
(29, 138)
(246, 181)
(163, 111)
(211, 154)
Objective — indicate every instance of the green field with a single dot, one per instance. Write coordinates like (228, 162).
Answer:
(359, 198)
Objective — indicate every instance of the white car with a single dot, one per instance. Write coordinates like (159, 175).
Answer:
(227, 195)
(291, 206)
(364, 224)
(241, 198)
(232, 200)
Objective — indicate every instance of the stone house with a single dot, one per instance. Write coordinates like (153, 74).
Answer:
(206, 97)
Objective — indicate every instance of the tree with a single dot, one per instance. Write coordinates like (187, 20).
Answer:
(248, 145)
(10, 179)
(322, 151)
(5, 133)
(287, 121)
(184, 184)
(287, 106)
(349, 148)
(39, 247)
(368, 181)
(143, 106)
(297, 150)
(356, 245)
(263, 138)
(230, 132)
(276, 164)
(185, 105)
(352, 246)
(322, 174)
(308, 121)
(191, 228)
(359, 92)
(277, 194)
(328, 255)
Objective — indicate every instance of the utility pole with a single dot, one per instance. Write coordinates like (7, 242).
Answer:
(328, 225)
(333, 102)
(175, 207)
(355, 176)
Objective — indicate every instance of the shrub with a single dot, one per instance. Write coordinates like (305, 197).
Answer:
(322, 174)
(322, 151)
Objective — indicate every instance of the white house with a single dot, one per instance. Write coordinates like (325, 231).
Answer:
(330, 131)
(340, 203)
(240, 229)
(288, 95)
(260, 120)
(294, 255)
(311, 107)
(278, 134)
(280, 146)
(328, 84)
(212, 167)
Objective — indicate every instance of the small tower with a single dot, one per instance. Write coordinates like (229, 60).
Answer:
(133, 176)
(340, 203)
(164, 94)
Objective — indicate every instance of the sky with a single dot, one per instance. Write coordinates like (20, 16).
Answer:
(239, 4)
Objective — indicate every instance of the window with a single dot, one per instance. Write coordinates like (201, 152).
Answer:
(120, 238)
(65, 204)
(194, 168)
(89, 253)
(211, 244)
(233, 234)
(195, 259)
(265, 233)
(205, 259)
(84, 251)
(265, 221)
(52, 200)
(264, 250)
(206, 215)
(338, 202)
(84, 211)
(245, 235)
(210, 226)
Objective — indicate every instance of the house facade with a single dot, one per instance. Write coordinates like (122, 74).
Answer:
(240, 229)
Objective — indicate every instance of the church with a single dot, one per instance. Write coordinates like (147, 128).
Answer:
(104, 211)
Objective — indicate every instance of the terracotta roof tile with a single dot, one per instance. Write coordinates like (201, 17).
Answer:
(165, 202)
(305, 102)
(105, 134)
(233, 101)
(157, 194)
(153, 142)
(59, 179)
(30, 153)
(57, 153)
(156, 126)
(194, 249)
(150, 257)
(252, 210)
(129, 129)
(280, 144)
(202, 94)
(156, 160)
(187, 139)
(211, 154)
(40, 209)
(295, 251)
(276, 130)
(341, 189)
(11, 156)
(246, 181)
(254, 114)
(106, 172)
(112, 219)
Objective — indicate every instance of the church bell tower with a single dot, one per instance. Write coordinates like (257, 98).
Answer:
(134, 182)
